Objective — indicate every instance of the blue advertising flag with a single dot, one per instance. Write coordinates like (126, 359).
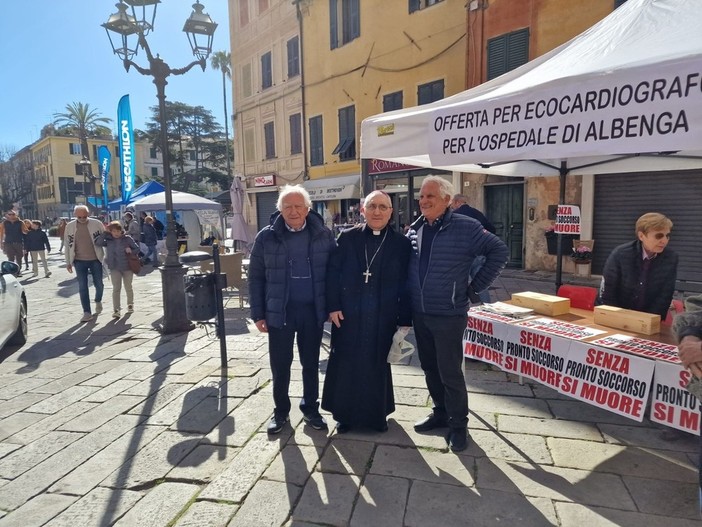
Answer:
(126, 150)
(104, 159)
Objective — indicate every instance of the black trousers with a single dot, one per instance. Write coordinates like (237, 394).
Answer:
(440, 350)
(301, 321)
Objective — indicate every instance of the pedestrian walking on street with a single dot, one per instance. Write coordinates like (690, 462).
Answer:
(367, 301)
(150, 239)
(117, 246)
(132, 227)
(445, 245)
(27, 227)
(61, 231)
(12, 231)
(287, 274)
(82, 253)
(37, 244)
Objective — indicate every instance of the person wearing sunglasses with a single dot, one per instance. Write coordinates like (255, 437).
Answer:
(82, 254)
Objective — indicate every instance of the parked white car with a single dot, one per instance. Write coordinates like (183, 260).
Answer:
(13, 306)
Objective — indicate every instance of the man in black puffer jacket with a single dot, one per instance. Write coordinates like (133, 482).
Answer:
(445, 245)
(287, 276)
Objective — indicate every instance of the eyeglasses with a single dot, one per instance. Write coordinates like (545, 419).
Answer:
(373, 207)
(11, 214)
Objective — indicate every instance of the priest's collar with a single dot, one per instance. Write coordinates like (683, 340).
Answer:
(374, 232)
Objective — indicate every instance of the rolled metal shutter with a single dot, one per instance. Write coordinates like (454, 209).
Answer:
(265, 206)
(621, 198)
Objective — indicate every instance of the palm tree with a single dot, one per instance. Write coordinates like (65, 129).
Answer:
(83, 122)
(221, 60)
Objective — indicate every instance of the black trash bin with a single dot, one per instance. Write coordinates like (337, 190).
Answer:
(200, 303)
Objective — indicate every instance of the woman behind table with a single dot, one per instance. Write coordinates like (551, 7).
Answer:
(117, 246)
(688, 330)
(640, 274)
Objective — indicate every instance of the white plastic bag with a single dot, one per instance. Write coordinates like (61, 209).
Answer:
(395, 355)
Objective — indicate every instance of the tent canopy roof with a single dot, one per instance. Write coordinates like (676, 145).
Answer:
(181, 201)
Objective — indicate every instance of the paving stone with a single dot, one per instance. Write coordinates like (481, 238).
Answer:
(63, 383)
(504, 388)
(512, 447)
(246, 386)
(169, 413)
(50, 422)
(407, 381)
(459, 506)
(108, 392)
(38, 511)
(13, 390)
(55, 403)
(381, 502)
(118, 453)
(203, 463)
(6, 448)
(198, 373)
(101, 414)
(153, 385)
(34, 453)
(554, 483)
(417, 464)
(627, 461)
(160, 506)
(327, 499)
(207, 514)
(652, 437)
(268, 504)
(208, 414)
(665, 498)
(16, 422)
(242, 422)
(99, 508)
(155, 399)
(115, 374)
(233, 484)
(410, 396)
(184, 365)
(548, 427)
(573, 515)
(294, 464)
(153, 461)
(344, 456)
(19, 403)
(524, 406)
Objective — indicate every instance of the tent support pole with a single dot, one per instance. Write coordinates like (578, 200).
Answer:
(563, 172)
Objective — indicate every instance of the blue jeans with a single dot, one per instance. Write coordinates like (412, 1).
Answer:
(83, 267)
(152, 255)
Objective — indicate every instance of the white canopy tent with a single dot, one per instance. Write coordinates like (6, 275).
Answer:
(623, 96)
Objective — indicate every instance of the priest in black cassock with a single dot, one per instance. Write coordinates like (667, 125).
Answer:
(367, 301)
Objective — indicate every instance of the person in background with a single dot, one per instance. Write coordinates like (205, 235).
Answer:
(82, 253)
(27, 227)
(117, 246)
(132, 227)
(37, 244)
(12, 231)
(444, 248)
(640, 274)
(367, 300)
(459, 205)
(60, 231)
(150, 239)
(287, 281)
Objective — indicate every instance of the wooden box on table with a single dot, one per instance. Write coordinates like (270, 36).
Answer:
(543, 304)
(628, 320)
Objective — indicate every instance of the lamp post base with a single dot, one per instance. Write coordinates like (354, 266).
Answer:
(174, 319)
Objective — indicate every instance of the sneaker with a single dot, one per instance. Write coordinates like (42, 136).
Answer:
(276, 424)
(130, 308)
(98, 308)
(116, 314)
(316, 421)
(87, 317)
(48, 274)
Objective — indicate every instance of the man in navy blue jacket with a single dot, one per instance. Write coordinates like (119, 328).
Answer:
(287, 278)
(445, 245)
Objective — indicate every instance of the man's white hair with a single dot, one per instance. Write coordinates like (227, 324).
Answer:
(81, 207)
(445, 186)
(293, 189)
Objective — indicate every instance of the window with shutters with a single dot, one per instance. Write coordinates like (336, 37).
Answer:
(344, 22)
(246, 84)
(74, 149)
(619, 3)
(293, 57)
(295, 133)
(266, 71)
(507, 52)
(346, 149)
(152, 153)
(416, 5)
(392, 101)
(243, 12)
(154, 172)
(249, 145)
(269, 137)
(430, 92)
(316, 141)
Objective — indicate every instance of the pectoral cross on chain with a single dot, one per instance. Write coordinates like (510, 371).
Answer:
(367, 274)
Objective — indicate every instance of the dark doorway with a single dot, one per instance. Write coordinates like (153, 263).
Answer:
(504, 207)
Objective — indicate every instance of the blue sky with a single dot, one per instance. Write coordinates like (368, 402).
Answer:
(55, 52)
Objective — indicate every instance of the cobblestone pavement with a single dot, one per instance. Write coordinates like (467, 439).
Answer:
(110, 422)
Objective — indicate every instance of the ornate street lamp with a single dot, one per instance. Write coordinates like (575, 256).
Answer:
(200, 29)
(85, 167)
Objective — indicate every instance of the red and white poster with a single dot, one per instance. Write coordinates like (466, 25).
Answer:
(618, 382)
(639, 346)
(484, 339)
(561, 329)
(671, 404)
(567, 219)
